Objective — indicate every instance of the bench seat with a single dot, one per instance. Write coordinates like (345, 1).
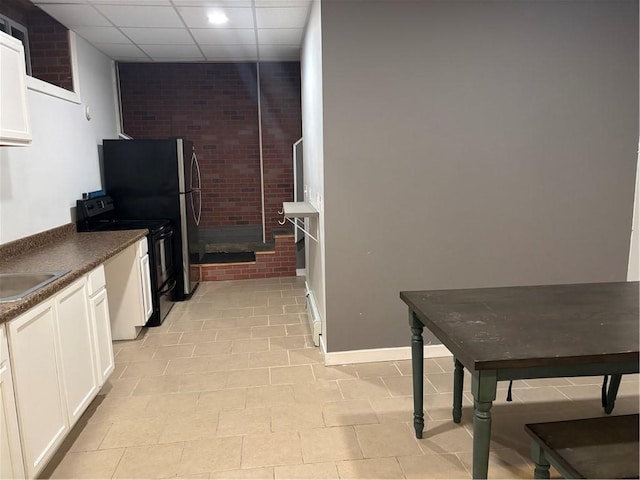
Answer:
(604, 447)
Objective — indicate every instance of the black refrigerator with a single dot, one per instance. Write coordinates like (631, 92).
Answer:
(159, 179)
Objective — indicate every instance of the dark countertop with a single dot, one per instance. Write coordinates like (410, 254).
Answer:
(59, 249)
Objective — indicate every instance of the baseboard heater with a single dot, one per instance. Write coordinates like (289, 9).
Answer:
(314, 318)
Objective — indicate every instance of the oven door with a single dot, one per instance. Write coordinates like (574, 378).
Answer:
(163, 256)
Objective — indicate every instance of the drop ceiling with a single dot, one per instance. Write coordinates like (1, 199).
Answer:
(179, 30)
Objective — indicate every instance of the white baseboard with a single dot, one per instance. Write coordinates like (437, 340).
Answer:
(301, 272)
(379, 354)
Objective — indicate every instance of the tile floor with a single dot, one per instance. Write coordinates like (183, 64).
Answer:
(231, 386)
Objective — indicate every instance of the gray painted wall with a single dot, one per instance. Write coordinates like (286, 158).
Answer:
(472, 144)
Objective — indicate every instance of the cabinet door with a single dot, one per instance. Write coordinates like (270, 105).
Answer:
(99, 307)
(145, 274)
(35, 362)
(11, 465)
(14, 120)
(77, 349)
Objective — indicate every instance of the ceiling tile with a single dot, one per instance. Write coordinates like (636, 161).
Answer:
(213, 3)
(274, 53)
(72, 15)
(166, 3)
(141, 16)
(39, 2)
(283, 3)
(158, 36)
(228, 53)
(280, 36)
(196, 17)
(224, 36)
(292, 17)
(117, 51)
(172, 51)
(101, 34)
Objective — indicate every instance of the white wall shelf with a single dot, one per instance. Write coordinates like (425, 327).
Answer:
(294, 211)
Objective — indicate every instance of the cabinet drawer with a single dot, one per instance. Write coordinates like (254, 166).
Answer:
(96, 280)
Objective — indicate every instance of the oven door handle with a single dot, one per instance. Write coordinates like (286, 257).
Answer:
(165, 235)
(167, 289)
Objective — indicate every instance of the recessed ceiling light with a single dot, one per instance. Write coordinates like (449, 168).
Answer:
(218, 18)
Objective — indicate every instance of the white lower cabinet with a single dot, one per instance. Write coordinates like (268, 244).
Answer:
(77, 347)
(40, 402)
(61, 353)
(11, 465)
(99, 310)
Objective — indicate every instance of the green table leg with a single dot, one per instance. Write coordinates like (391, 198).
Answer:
(458, 385)
(483, 387)
(417, 370)
(542, 464)
(613, 392)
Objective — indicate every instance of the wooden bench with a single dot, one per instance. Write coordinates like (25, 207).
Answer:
(605, 447)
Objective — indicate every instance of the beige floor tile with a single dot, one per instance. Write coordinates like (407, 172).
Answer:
(86, 437)
(186, 427)
(433, 466)
(274, 310)
(298, 329)
(173, 403)
(205, 336)
(439, 406)
(503, 463)
(270, 331)
(401, 386)
(443, 382)
(222, 363)
(264, 473)
(546, 382)
(329, 444)
(251, 377)
(334, 372)
(129, 433)
(213, 348)
(285, 319)
(216, 324)
(149, 368)
(376, 369)
(310, 471)
(217, 455)
(249, 345)
(447, 364)
(321, 391)
(348, 412)
(429, 366)
(305, 356)
(233, 334)
(370, 468)
(244, 421)
(276, 358)
(393, 409)
(113, 409)
(119, 387)
(186, 326)
(98, 464)
(271, 450)
(270, 395)
(387, 440)
(289, 300)
(286, 343)
(222, 399)
(586, 380)
(446, 437)
(139, 354)
(161, 339)
(157, 385)
(288, 309)
(292, 375)
(363, 388)
(255, 321)
(541, 397)
(295, 418)
(203, 382)
(174, 351)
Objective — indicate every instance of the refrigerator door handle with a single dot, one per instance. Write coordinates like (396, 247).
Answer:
(195, 168)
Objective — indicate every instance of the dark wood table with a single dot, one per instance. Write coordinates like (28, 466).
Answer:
(510, 333)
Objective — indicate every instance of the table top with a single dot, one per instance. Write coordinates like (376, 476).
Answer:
(533, 326)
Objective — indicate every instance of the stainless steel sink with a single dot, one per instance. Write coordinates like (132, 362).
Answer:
(14, 286)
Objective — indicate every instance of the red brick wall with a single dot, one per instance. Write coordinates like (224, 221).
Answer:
(215, 106)
(48, 42)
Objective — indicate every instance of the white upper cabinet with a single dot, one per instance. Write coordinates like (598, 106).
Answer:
(14, 116)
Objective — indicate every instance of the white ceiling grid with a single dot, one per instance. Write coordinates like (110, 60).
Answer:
(179, 30)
